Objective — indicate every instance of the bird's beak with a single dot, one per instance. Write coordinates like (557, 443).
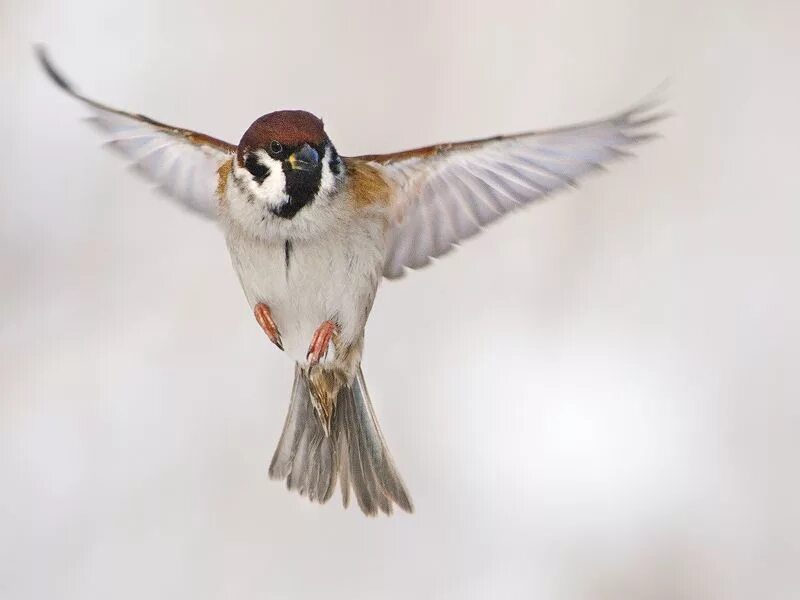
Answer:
(305, 159)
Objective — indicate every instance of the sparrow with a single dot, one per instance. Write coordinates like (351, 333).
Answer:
(312, 233)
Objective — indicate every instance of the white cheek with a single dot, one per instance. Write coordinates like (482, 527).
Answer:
(271, 193)
(273, 189)
(327, 181)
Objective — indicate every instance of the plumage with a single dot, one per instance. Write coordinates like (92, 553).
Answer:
(449, 192)
(311, 234)
(183, 163)
(354, 453)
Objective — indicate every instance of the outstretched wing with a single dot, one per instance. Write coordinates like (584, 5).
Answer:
(183, 163)
(449, 192)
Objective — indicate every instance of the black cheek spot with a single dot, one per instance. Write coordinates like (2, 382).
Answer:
(259, 171)
(335, 163)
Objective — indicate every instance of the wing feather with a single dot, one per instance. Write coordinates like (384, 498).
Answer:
(182, 163)
(449, 192)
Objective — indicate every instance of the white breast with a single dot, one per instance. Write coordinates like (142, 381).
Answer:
(329, 277)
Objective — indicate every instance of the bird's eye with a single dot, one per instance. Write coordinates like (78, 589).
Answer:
(275, 147)
(259, 171)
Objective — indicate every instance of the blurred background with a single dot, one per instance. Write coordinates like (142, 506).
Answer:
(597, 399)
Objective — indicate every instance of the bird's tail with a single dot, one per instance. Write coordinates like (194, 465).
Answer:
(354, 451)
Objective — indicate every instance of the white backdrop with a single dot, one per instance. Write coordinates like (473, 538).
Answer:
(597, 399)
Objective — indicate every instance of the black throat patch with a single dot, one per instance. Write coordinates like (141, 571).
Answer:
(301, 187)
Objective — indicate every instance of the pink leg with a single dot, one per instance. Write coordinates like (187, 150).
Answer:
(319, 343)
(264, 318)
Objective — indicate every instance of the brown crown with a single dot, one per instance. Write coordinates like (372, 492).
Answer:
(289, 127)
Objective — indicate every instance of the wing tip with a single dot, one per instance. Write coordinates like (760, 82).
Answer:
(649, 109)
(56, 77)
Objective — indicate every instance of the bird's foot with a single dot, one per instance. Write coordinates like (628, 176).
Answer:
(264, 318)
(320, 342)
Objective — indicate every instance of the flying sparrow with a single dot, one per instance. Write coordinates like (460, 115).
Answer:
(311, 234)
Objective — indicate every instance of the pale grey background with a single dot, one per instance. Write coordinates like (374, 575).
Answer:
(598, 399)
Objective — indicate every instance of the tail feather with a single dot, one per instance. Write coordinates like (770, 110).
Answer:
(354, 452)
(381, 462)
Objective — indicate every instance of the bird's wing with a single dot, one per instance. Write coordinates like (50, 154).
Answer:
(184, 164)
(449, 192)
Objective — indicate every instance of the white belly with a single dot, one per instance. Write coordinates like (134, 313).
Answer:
(333, 277)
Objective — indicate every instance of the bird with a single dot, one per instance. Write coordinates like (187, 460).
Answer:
(312, 233)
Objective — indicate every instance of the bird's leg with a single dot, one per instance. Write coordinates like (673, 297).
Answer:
(320, 342)
(264, 318)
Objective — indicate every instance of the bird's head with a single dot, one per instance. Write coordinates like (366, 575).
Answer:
(285, 161)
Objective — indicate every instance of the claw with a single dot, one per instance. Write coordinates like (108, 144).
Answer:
(320, 342)
(264, 318)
